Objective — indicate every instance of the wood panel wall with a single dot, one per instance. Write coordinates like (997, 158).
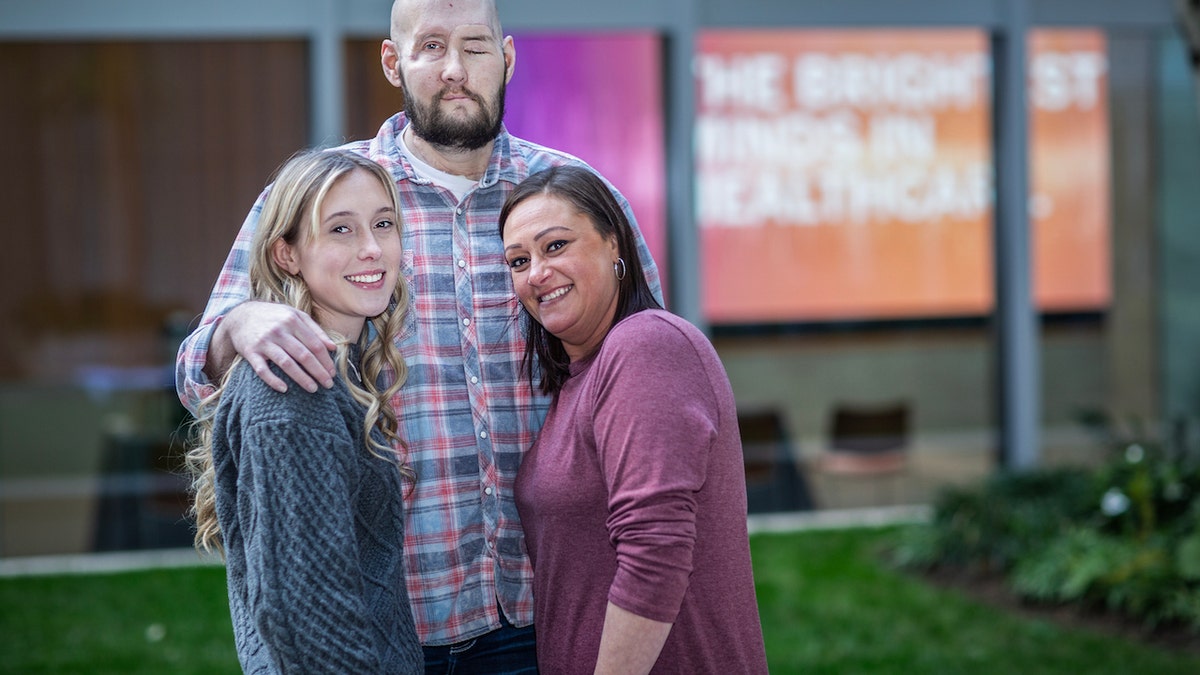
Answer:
(370, 98)
(126, 168)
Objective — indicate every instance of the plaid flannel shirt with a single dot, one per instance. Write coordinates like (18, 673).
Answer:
(466, 413)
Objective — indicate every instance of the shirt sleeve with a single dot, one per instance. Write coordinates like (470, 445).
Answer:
(304, 578)
(655, 422)
(232, 288)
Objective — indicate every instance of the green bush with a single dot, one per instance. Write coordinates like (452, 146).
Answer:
(1125, 536)
(987, 528)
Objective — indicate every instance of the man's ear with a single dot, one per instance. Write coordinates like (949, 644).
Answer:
(284, 255)
(510, 58)
(389, 58)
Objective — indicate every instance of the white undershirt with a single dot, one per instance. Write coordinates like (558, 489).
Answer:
(458, 185)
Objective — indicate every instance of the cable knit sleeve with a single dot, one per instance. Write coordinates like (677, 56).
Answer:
(655, 420)
(296, 479)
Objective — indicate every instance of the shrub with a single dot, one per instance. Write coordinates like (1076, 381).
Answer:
(1125, 536)
(987, 528)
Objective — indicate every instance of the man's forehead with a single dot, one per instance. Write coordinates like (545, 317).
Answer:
(445, 17)
(480, 31)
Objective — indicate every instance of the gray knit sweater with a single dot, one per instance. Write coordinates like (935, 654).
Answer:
(313, 526)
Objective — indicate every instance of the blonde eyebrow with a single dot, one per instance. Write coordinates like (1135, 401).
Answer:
(340, 214)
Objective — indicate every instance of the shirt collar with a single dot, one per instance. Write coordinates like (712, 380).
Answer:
(503, 165)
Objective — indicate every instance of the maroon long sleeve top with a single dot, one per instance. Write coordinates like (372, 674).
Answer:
(635, 493)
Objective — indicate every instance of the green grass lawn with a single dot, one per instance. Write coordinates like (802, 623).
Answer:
(827, 605)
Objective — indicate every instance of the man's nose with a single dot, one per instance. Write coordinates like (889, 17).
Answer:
(453, 68)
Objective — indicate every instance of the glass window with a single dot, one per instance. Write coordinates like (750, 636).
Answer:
(130, 166)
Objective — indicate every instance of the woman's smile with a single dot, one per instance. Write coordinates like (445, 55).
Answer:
(562, 270)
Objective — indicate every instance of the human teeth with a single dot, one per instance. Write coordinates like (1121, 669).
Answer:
(556, 294)
(365, 278)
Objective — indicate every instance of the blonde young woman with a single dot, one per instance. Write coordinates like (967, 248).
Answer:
(301, 491)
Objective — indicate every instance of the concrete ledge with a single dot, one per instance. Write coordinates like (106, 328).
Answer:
(840, 519)
(104, 563)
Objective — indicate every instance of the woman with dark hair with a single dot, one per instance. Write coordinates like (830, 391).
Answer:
(633, 497)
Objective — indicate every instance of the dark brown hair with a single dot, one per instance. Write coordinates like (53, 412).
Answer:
(591, 197)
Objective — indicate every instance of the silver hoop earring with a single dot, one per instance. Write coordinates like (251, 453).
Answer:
(621, 271)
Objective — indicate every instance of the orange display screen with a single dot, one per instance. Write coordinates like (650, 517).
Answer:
(848, 174)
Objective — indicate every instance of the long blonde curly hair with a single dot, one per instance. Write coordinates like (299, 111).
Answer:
(295, 199)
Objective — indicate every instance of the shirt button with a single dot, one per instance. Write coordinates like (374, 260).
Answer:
(466, 322)
(462, 263)
(483, 434)
(474, 380)
(487, 490)
(459, 210)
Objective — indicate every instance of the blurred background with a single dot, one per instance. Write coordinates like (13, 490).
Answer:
(930, 240)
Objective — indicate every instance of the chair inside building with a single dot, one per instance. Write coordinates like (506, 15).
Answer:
(774, 482)
(868, 438)
(867, 453)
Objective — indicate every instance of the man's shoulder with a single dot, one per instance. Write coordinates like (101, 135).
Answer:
(529, 157)
(383, 147)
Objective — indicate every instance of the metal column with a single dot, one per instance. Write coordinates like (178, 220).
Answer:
(1017, 349)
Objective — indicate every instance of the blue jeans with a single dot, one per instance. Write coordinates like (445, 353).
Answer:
(504, 651)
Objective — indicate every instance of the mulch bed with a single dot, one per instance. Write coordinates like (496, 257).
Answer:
(991, 589)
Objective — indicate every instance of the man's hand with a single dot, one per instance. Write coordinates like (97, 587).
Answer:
(265, 332)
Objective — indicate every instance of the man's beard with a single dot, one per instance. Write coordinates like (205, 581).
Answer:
(434, 127)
